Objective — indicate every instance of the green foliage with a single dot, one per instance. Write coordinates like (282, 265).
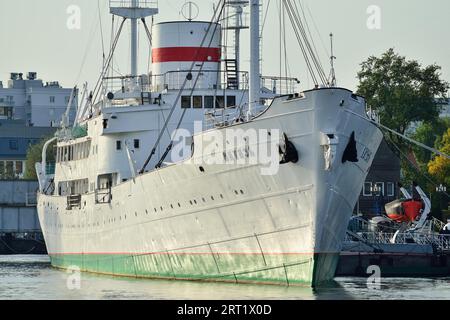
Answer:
(439, 166)
(404, 93)
(6, 172)
(34, 154)
(401, 91)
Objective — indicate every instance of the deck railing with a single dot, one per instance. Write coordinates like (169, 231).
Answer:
(439, 241)
(129, 3)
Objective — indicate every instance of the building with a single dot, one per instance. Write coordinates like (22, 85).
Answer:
(381, 185)
(29, 111)
(32, 101)
(15, 138)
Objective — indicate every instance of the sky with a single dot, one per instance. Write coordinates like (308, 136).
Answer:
(35, 36)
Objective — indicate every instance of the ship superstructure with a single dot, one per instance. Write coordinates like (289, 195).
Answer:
(260, 190)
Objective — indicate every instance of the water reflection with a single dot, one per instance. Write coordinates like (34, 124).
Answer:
(32, 277)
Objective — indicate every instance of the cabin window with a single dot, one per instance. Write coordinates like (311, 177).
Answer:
(197, 102)
(209, 102)
(185, 102)
(118, 145)
(231, 101)
(220, 102)
(390, 189)
(367, 189)
(137, 143)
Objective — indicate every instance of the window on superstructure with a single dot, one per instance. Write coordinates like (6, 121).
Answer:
(197, 102)
(52, 99)
(231, 101)
(220, 102)
(137, 143)
(118, 145)
(209, 102)
(185, 102)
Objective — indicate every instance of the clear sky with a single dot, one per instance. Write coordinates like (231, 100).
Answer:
(35, 37)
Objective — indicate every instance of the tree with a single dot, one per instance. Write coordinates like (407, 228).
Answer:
(401, 91)
(34, 155)
(439, 167)
(430, 134)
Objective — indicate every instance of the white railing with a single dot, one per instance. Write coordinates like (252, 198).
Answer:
(441, 242)
(223, 117)
(281, 85)
(129, 3)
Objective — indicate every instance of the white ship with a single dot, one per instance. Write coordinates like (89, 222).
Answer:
(261, 191)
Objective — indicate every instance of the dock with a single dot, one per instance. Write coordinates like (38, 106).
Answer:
(20, 231)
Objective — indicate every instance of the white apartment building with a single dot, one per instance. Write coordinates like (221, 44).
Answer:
(37, 103)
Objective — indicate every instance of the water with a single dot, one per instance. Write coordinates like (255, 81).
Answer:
(32, 277)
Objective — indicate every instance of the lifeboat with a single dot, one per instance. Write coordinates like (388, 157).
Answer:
(405, 210)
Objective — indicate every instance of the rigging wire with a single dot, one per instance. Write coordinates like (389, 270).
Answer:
(170, 146)
(433, 150)
(265, 18)
(310, 34)
(302, 47)
(101, 30)
(158, 140)
(308, 42)
(108, 61)
(402, 154)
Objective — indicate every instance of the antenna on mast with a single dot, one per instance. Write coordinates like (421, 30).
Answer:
(332, 82)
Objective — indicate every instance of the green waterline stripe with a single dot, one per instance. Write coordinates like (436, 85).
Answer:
(203, 268)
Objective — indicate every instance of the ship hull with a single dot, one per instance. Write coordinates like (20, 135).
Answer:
(228, 222)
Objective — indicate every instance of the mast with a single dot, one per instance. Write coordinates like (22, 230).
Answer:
(134, 10)
(134, 42)
(254, 76)
(332, 58)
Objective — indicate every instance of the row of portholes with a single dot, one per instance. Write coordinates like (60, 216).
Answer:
(161, 209)
(195, 202)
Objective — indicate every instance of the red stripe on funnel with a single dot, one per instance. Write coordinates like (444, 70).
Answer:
(177, 54)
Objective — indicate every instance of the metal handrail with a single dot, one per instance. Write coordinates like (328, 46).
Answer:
(440, 241)
(129, 3)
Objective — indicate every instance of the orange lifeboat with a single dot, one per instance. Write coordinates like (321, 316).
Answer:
(404, 210)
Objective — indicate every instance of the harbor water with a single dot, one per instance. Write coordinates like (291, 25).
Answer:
(32, 277)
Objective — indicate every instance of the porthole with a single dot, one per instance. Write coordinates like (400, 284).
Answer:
(242, 191)
(221, 196)
(236, 192)
(179, 205)
(195, 201)
(212, 198)
(202, 169)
